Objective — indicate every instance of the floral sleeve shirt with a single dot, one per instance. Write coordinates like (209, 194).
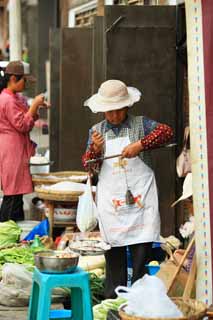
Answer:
(151, 133)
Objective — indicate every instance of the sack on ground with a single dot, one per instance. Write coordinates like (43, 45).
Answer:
(15, 287)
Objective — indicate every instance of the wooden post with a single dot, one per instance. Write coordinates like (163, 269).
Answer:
(15, 31)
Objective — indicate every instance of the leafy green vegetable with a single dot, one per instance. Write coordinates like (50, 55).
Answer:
(97, 288)
(100, 310)
(21, 255)
(9, 232)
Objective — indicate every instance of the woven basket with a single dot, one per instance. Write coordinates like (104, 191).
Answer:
(42, 178)
(57, 195)
(192, 310)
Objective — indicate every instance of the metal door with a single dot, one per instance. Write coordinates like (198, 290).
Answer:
(141, 50)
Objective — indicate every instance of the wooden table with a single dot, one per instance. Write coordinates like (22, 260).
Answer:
(50, 202)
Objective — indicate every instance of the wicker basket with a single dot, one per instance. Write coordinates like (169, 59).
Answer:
(53, 195)
(192, 310)
(42, 178)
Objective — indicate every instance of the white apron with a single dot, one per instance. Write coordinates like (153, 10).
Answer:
(121, 224)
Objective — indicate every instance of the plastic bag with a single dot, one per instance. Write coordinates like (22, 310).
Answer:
(86, 211)
(138, 299)
(15, 287)
(42, 229)
(16, 275)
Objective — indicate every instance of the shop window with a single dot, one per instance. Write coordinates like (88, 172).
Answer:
(86, 18)
(83, 16)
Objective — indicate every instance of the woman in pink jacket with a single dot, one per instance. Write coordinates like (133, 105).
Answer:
(16, 148)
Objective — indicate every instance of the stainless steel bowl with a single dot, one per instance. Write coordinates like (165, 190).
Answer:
(49, 262)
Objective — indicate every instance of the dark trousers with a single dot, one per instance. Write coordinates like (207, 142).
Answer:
(12, 208)
(116, 265)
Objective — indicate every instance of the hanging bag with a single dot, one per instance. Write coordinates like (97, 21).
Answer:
(87, 211)
(183, 162)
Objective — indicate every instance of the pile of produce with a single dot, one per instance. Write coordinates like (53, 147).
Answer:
(93, 264)
(9, 233)
(97, 288)
(66, 186)
(100, 310)
(21, 255)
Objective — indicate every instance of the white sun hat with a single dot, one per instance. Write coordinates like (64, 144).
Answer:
(187, 189)
(113, 95)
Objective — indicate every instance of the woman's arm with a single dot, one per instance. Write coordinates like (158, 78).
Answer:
(24, 121)
(92, 152)
(156, 134)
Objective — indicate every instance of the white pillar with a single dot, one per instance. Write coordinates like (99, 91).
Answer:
(15, 33)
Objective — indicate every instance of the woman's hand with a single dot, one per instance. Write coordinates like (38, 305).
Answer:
(98, 141)
(39, 101)
(132, 150)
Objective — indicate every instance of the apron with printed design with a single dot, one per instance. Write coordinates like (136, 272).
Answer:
(121, 224)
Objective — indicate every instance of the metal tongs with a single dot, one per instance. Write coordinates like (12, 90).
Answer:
(119, 155)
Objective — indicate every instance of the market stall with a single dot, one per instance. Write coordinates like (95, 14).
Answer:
(60, 195)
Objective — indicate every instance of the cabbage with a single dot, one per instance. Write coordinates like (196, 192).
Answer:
(9, 233)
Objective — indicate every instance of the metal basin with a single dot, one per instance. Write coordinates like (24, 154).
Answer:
(52, 262)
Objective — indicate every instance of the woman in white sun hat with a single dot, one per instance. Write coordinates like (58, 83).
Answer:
(135, 224)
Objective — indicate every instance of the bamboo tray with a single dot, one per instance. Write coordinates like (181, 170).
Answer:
(192, 310)
(42, 178)
(53, 195)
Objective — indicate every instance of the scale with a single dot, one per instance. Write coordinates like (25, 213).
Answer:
(86, 247)
(128, 195)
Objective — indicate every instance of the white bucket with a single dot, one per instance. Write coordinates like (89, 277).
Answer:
(26, 226)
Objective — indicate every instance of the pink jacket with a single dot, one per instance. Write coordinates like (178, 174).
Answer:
(16, 148)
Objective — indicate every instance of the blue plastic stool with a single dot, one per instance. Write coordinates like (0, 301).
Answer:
(43, 283)
(60, 314)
